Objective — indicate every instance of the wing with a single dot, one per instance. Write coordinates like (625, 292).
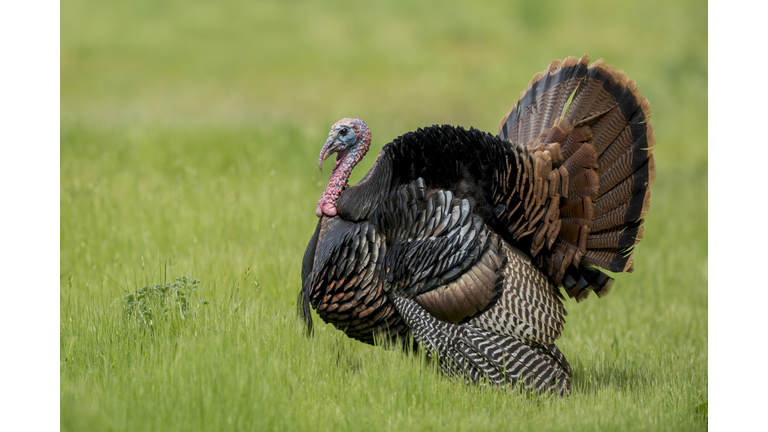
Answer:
(438, 252)
(343, 284)
(444, 257)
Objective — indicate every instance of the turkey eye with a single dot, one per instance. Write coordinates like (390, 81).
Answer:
(344, 132)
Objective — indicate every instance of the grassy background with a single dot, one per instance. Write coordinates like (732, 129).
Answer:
(189, 139)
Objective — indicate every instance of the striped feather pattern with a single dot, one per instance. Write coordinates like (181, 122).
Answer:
(468, 351)
(529, 307)
(526, 194)
(543, 102)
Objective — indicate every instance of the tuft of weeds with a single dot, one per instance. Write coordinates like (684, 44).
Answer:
(171, 299)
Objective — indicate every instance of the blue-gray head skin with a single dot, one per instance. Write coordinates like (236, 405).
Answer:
(350, 139)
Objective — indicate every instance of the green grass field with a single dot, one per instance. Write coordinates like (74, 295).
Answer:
(190, 133)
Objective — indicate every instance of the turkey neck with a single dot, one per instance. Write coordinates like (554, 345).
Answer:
(345, 162)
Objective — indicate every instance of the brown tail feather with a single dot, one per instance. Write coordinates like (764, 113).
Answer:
(617, 238)
(549, 89)
(605, 164)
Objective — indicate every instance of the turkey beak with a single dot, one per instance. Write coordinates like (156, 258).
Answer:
(331, 146)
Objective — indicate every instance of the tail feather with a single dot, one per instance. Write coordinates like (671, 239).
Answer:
(617, 238)
(629, 165)
(609, 259)
(622, 193)
(543, 101)
(605, 163)
(579, 282)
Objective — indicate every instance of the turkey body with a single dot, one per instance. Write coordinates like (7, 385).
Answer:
(462, 240)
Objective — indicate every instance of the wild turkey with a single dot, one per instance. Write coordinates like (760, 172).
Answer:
(462, 239)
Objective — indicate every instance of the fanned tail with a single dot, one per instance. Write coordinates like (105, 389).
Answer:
(594, 123)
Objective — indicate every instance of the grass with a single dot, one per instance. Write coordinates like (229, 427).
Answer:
(189, 141)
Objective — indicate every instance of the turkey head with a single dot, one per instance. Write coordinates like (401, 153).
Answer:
(350, 139)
